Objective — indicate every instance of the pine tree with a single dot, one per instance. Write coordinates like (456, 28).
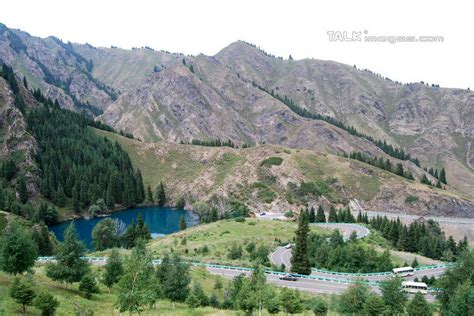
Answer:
(312, 215)
(320, 216)
(177, 279)
(149, 195)
(113, 269)
(22, 292)
(2, 198)
(46, 303)
(415, 263)
(418, 306)
(299, 260)
(142, 231)
(140, 191)
(17, 249)
(160, 196)
(374, 305)
(182, 223)
(22, 190)
(88, 285)
(69, 266)
(393, 295)
(332, 215)
(442, 176)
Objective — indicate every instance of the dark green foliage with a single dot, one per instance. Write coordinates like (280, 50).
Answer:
(104, 234)
(411, 199)
(46, 303)
(290, 301)
(69, 266)
(312, 215)
(42, 239)
(442, 176)
(160, 195)
(176, 280)
(88, 285)
(22, 292)
(113, 269)
(149, 195)
(22, 190)
(374, 305)
(320, 216)
(9, 169)
(380, 163)
(299, 260)
(17, 249)
(213, 143)
(320, 307)
(337, 255)
(418, 306)
(2, 198)
(425, 238)
(271, 161)
(235, 252)
(353, 300)
(393, 295)
(332, 215)
(47, 214)
(425, 180)
(457, 283)
(135, 232)
(182, 223)
(83, 165)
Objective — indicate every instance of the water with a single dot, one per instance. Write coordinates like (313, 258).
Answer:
(160, 221)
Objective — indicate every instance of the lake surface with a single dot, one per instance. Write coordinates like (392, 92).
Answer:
(160, 221)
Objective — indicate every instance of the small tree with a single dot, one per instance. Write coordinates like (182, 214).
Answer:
(46, 303)
(312, 215)
(17, 249)
(113, 269)
(374, 305)
(320, 307)
(418, 306)
(414, 263)
(69, 266)
(352, 301)
(104, 234)
(290, 301)
(22, 293)
(182, 223)
(137, 287)
(160, 196)
(393, 295)
(320, 216)
(22, 190)
(176, 281)
(332, 215)
(299, 260)
(88, 285)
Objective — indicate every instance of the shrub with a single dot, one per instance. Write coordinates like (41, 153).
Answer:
(411, 199)
(271, 161)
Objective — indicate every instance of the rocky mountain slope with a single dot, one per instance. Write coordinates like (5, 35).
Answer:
(157, 95)
(216, 175)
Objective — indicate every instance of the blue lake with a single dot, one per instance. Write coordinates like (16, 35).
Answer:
(160, 221)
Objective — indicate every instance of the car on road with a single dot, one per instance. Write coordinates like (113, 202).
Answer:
(289, 246)
(288, 277)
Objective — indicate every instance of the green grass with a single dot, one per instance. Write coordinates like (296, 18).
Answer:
(221, 235)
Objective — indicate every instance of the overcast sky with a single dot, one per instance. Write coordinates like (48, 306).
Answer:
(299, 28)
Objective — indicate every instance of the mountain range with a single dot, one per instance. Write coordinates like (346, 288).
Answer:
(249, 96)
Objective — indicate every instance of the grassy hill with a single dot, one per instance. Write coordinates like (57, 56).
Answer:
(217, 174)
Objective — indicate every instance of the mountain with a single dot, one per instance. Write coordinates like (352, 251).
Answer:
(238, 94)
(275, 178)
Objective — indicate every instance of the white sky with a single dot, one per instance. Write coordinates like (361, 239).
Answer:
(293, 27)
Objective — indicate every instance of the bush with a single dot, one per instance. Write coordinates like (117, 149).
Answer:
(271, 161)
(46, 303)
(411, 199)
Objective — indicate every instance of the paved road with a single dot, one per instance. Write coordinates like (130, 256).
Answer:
(355, 205)
(307, 285)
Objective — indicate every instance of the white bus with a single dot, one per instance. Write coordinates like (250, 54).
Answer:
(414, 287)
(403, 271)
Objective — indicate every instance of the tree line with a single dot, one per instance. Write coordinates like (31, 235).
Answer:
(78, 166)
(426, 238)
(215, 143)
